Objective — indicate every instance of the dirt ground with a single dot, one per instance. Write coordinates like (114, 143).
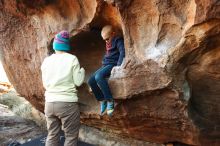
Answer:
(14, 128)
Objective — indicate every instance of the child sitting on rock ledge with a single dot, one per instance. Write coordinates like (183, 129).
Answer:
(115, 52)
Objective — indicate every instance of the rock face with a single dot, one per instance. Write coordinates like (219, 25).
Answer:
(168, 86)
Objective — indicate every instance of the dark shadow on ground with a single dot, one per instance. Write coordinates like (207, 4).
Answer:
(40, 141)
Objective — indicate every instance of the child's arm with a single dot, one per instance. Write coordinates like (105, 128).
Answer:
(120, 46)
(78, 73)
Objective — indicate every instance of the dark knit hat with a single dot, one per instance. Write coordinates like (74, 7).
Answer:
(61, 41)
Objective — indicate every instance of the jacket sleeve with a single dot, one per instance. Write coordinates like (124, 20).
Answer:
(120, 46)
(78, 73)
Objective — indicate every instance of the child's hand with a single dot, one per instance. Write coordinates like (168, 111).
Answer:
(115, 70)
(90, 90)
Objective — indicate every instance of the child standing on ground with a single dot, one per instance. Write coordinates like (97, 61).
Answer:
(61, 73)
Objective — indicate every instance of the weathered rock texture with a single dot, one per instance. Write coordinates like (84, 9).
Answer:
(172, 47)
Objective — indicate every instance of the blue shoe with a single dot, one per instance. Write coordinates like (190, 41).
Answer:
(110, 107)
(103, 106)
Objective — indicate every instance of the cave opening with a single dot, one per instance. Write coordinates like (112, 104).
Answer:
(89, 48)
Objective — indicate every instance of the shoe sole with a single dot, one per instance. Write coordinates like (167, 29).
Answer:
(110, 112)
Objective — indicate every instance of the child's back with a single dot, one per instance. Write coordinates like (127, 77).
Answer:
(61, 75)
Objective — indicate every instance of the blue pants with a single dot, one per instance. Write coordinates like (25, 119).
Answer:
(99, 84)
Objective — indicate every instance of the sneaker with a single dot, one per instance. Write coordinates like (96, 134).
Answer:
(103, 106)
(110, 107)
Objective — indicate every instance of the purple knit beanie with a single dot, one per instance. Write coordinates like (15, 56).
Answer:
(61, 41)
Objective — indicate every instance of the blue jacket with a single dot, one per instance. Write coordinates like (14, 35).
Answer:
(116, 52)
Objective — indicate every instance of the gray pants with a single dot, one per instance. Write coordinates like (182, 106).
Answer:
(65, 114)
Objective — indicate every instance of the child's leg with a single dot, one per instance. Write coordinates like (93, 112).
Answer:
(70, 117)
(95, 88)
(100, 78)
(53, 125)
(98, 94)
